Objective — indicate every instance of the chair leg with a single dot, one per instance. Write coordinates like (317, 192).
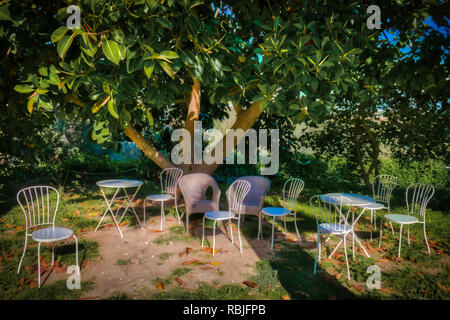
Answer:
(39, 264)
(392, 228)
(425, 237)
(23, 253)
(231, 230)
(381, 232)
(76, 253)
(296, 229)
(285, 227)
(203, 230)
(162, 215)
(273, 229)
(353, 236)
(144, 209)
(187, 222)
(53, 255)
(214, 237)
(400, 240)
(317, 252)
(176, 209)
(408, 236)
(239, 234)
(371, 224)
(346, 258)
(259, 225)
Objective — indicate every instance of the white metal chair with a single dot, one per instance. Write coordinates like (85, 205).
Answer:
(330, 221)
(417, 197)
(169, 178)
(235, 196)
(382, 187)
(37, 208)
(291, 191)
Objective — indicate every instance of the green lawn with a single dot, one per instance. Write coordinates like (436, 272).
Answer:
(287, 275)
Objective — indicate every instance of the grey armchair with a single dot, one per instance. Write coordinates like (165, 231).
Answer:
(254, 201)
(193, 188)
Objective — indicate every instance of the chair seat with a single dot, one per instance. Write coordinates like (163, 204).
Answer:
(219, 215)
(334, 228)
(51, 234)
(275, 211)
(401, 218)
(159, 197)
(375, 206)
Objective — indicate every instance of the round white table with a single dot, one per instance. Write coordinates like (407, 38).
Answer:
(119, 184)
(350, 200)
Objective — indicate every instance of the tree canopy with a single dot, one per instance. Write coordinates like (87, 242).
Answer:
(134, 62)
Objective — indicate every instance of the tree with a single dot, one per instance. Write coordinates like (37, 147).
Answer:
(405, 80)
(134, 58)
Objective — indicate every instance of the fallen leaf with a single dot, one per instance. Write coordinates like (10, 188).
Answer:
(250, 284)
(181, 254)
(21, 281)
(33, 283)
(156, 231)
(160, 285)
(188, 250)
(286, 297)
(209, 250)
(123, 224)
(357, 287)
(179, 281)
(194, 262)
(276, 246)
(77, 212)
(383, 260)
(442, 287)
(207, 268)
(215, 263)
(339, 275)
(386, 290)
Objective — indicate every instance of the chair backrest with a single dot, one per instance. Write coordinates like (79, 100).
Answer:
(258, 190)
(417, 197)
(329, 211)
(169, 178)
(236, 194)
(37, 205)
(382, 186)
(193, 186)
(291, 191)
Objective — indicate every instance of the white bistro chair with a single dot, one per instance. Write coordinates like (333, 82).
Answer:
(235, 196)
(169, 179)
(39, 211)
(331, 221)
(382, 186)
(417, 197)
(291, 191)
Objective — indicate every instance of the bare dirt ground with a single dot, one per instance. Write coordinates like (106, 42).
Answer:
(134, 263)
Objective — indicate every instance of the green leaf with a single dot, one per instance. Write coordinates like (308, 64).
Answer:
(30, 104)
(167, 69)
(148, 68)
(112, 108)
(58, 34)
(119, 36)
(4, 12)
(64, 45)
(167, 54)
(43, 71)
(149, 118)
(100, 103)
(112, 51)
(23, 88)
(87, 46)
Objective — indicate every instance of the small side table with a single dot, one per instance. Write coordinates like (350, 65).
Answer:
(119, 184)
